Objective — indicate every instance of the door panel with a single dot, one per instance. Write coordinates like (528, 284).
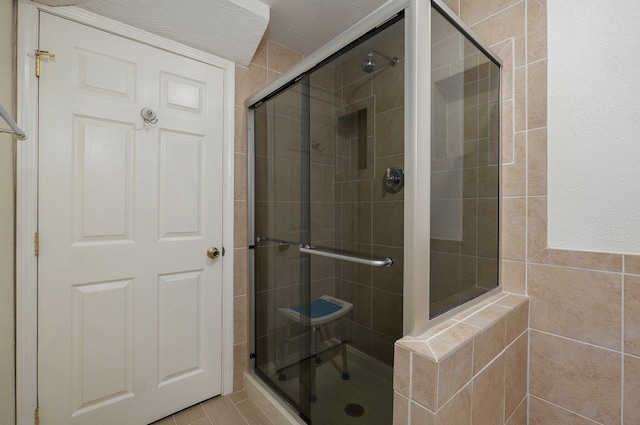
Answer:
(103, 180)
(180, 321)
(129, 304)
(181, 176)
(102, 355)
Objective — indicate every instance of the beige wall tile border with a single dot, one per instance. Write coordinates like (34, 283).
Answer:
(632, 264)
(444, 339)
(579, 259)
(457, 335)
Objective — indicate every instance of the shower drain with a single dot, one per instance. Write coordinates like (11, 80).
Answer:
(354, 410)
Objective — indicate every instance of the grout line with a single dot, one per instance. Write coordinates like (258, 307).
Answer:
(635, 356)
(411, 374)
(259, 408)
(534, 62)
(472, 383)
(241, 414)
(572, 267)
(206, 415)
(432, 352)
(565, 409)
(524, 400)
(503, 352)
(612, 350)
(622, 348)
(528, 331)
(544, 127)
(437, 398)
(526, 188)
(468, 384)
(267, 53)
(497, 13)
(622, 389)
(504, 376)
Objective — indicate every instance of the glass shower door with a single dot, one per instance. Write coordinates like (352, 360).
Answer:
(281, 190)
(328, 253)
(357, 226)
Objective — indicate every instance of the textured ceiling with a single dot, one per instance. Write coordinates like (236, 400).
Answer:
(305, 25)
(232, 29)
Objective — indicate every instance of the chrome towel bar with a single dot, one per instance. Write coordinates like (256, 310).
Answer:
(387, 262)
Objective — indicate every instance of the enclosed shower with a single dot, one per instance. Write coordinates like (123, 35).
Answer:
(374, 209)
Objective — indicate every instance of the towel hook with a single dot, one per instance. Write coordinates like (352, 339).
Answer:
(149, 116)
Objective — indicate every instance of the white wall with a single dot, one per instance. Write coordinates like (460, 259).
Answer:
(7, 347)
(594, 125)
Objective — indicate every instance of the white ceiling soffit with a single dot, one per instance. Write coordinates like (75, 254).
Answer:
(231, 29)
(306, 25)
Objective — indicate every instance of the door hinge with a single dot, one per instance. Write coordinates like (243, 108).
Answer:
(37, 416)
(40, 53)
(36, 243)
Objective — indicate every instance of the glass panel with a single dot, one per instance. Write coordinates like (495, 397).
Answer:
(281, 274)
(465, 159)
(357, 125)
(323, 147)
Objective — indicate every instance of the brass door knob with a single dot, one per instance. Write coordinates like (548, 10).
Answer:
(213, 252)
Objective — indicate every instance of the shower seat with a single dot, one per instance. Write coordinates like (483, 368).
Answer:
(324, 310)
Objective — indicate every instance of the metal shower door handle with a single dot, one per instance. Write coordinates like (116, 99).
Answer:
(307, 249)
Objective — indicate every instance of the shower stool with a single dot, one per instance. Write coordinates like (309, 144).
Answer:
(324, 310)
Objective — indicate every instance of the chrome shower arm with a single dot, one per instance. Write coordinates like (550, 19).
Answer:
(392, 60)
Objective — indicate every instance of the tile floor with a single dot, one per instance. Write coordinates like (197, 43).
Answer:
(236, 409)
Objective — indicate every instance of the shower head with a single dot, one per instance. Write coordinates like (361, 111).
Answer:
(369, 64)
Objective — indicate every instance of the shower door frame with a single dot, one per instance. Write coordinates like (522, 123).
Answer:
(417, 198)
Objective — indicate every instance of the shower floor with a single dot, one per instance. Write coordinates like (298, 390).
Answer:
(370, 387)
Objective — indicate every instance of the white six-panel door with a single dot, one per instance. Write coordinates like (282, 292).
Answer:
(129, 304)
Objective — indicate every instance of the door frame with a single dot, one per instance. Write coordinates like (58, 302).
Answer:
(27, 191)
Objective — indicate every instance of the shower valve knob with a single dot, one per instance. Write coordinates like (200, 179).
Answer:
(393, 179)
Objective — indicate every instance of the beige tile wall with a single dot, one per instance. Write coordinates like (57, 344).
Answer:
(471, 369)
(585, 310)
